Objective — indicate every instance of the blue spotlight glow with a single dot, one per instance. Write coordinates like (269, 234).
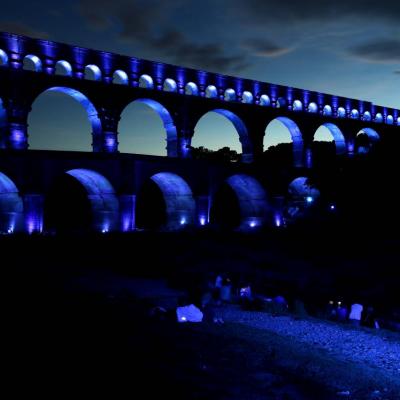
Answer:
(202, 221)
(309, 199)
(183, 221)
(332, 207)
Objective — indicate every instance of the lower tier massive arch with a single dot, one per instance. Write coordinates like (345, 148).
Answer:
(165, 202)
(81, 200)
(241, 203)
(11, 206)
(365, 139)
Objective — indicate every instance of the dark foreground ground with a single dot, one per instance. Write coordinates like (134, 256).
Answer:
(72, 325)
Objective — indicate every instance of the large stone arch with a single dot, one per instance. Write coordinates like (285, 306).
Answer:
(241, 129)
(168, 122)
(302, 189)
(338, 137)
(251, 203)
(178, 205)
(82, 195)
(297, 139)
(372, 135)
(92, 112)
(302, 196)
(11, 206)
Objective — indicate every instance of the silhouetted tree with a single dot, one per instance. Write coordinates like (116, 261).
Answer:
(225, 154)
(279, 155)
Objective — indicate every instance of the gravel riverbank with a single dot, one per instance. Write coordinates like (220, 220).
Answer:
(374, 354)
(355, 344)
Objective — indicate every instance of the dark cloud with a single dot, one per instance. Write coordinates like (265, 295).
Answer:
(289, 11)
(384, 51)
(264, 48)
(147, 23)
(210, 56)
(397, 72)
(22, 29)
(135, 17)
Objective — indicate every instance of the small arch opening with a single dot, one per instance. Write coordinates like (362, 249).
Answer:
(265, 100)
(32, 63)
(297, 105)
(354, 114)
(3, 58)
(229, 95)
(120, 77)
(63, 68)
(247, 97)
(92, 73)
(211, 92)
(341, 112)
(191, 89)
(367, 116)
(312, 108)
(146, 82)
(170, 86)
(281, 102)
(378, 118)
(327, 111)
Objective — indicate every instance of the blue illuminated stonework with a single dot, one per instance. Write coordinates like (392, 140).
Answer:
(106, 83)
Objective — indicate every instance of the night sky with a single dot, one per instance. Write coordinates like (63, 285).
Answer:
(349, 48)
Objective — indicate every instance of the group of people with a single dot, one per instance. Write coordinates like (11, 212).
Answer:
(214, 292)
(221, 291)
(356, 315)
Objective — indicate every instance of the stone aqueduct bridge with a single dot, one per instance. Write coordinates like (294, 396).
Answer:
(105, 83)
